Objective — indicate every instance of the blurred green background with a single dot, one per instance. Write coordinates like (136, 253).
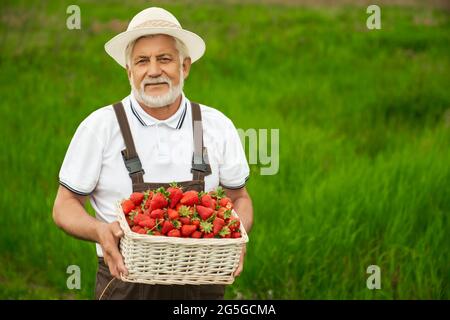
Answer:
(364, 123)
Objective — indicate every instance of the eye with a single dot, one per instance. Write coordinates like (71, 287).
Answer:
(141, 61)
(165, 60)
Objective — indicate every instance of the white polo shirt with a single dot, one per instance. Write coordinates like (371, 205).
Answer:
(93, 164)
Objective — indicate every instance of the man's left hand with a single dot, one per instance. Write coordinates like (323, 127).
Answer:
(241, 262)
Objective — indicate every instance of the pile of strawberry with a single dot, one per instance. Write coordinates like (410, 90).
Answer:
(175, 213)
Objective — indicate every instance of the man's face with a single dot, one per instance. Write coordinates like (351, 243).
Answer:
(155, 69)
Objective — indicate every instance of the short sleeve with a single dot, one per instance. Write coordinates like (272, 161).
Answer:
(233, 169)
(81, 167)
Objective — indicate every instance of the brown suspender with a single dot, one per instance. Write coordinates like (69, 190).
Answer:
(200, 165)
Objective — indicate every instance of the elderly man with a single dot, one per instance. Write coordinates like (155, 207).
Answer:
(150, 138)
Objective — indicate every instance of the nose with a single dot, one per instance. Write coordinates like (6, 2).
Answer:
(153, 69)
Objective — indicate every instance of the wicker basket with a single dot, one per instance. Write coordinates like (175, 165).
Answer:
(167, 260)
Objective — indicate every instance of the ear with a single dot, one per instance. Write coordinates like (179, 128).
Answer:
(186, 67)
(128, 72)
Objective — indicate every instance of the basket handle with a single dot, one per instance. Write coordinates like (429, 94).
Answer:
(121, 218)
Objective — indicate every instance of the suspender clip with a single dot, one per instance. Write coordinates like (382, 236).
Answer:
(133, 164)
(202, 167)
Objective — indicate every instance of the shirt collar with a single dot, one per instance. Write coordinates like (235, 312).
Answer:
(174, 122)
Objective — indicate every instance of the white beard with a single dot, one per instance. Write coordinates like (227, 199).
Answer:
(157, 101)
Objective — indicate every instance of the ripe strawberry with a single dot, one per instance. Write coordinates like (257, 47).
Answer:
(157, 214)
(190, 198)
(159, 223)
(206, 227)
(137, 198)
(136, 228)
(185, 211)
(159, 199)
(225, 202)
(127, 206)
(205, 200)
(148, 195)
(220, 212)
(208, 235)
(147, 212)
(177, 224)
(213, 204)
(142, 231)
(129, 221)
(138, 218)
(175, 194)
(222, 199)
(155, 233)
(196, 222)
(148, 223)
(224, 213)
(236, 234)
(187, 230)
(218, 224)
(196, 234)
(185, 220)
(172, 214)
(204, 212)
(218, 193)
(174, 233)
(234, 224)
(131, 215)
(166, 227)
(225, 232)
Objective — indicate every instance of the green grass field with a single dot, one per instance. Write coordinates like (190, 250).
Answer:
(364, 123)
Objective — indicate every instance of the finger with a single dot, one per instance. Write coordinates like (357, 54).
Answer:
(238, 270)
(118, 260)
(241, 264)
(108, 256)
(122, 269)
(116, 274)
(116, 229)
(112, 269)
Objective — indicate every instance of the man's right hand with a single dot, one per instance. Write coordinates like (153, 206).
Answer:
(109, 235)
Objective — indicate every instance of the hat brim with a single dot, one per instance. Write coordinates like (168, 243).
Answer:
(117, 45)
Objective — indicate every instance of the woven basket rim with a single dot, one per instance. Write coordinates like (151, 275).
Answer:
(177, 240)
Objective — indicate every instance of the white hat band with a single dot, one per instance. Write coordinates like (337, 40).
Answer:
(156, 24)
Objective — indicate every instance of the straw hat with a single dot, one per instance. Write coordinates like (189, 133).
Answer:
(154, 21)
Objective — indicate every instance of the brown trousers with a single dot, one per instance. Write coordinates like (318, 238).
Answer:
(109, 288)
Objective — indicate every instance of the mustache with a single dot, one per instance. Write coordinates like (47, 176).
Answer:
(161, 79)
